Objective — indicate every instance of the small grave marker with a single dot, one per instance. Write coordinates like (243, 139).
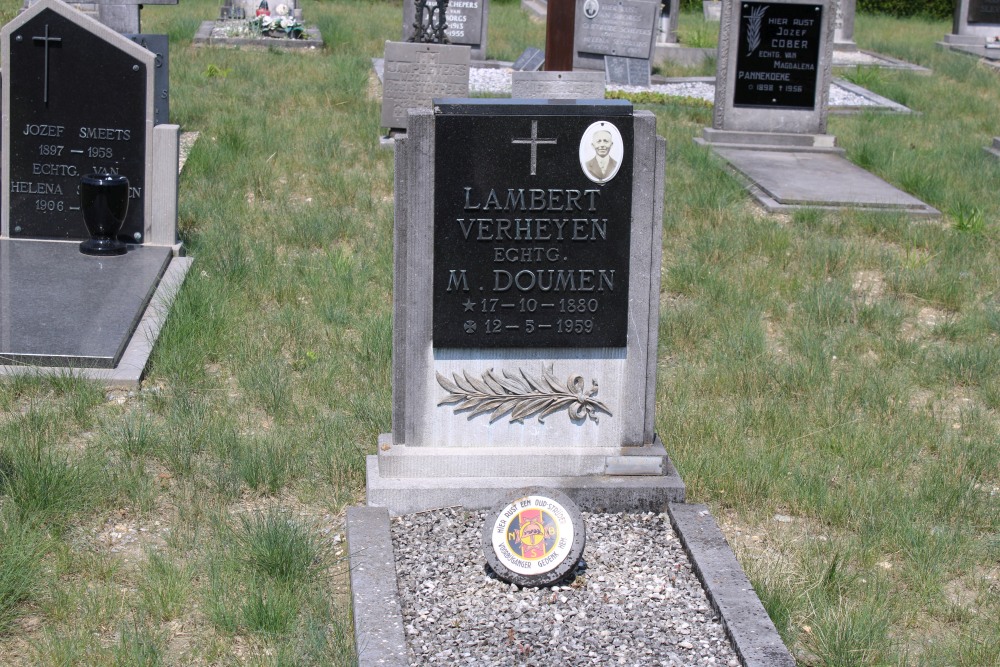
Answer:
(535, 539)
(626, 71)
(529, 61)
(614, 28)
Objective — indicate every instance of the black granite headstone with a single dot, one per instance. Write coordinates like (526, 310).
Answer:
(623, 71)
(984, 11)
(78, 106)
(158, 45)
(531, 232)
(777, 65)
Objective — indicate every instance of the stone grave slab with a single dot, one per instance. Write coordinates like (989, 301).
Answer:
(613, 28)
(377, 593)
(49, 316)
(233, 33)
(468, 22)
(557, 85)
(783, 180)
(623, 71)
(414, 74)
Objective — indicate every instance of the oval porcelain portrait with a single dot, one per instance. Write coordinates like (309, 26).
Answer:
(601, 151)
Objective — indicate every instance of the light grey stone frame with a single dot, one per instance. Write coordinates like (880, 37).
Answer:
(412, 286)
(796, 121)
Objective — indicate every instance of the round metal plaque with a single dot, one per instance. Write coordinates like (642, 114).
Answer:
(535, 539)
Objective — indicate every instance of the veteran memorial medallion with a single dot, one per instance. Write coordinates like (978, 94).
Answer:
(778, 57)
(532, 224)
(535, 539)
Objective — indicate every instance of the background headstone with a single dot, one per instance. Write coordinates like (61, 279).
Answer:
(467, 23)
(159, 46)
(843, 29)
(774, 67)
(975, 22)
(712, 10)
(669, 16)
(613, 28)
(119, 15)
(557, 85)
(416, 73)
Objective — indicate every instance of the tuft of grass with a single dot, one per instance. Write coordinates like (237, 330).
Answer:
(274, 546)
(21, 549)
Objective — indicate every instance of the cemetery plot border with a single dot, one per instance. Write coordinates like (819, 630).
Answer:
(219, 33)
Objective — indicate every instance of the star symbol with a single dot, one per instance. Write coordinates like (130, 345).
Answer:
(470, 305)
(470, 327)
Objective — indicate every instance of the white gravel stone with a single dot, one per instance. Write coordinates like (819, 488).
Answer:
(466, 618)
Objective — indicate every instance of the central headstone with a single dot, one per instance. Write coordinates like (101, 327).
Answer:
(416, 73)
(613, 28)
(526, 304)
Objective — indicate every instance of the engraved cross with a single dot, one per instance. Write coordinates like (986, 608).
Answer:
(46, 39)
(534, 141)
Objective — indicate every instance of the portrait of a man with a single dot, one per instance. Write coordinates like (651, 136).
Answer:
(601, 151)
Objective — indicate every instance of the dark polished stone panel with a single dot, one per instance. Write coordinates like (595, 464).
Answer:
(531, 230)
(984, 11)
(778, 61)
(626, 71)
(59, 307)
(158, 45)
(78, 105)
(530, 60)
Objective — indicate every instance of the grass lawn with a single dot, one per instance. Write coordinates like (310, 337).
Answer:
(829, 383)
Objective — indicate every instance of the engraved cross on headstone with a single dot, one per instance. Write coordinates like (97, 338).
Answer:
(534, 141)
(46, 39)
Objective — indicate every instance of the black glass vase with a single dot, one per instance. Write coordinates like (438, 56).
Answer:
(104, 202)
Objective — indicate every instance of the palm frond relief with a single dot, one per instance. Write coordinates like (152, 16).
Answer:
(522, 395)
(754, 22)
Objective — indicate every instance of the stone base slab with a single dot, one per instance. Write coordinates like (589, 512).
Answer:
(593, 493)
(132, 364)
(378, 618)
(784, 141)
(786, 180)
(400, 461)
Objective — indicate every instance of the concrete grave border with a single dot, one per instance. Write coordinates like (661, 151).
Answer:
(378, 617)
(312, 40)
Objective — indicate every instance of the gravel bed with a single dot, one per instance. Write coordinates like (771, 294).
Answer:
(634, 600)
(497, 80)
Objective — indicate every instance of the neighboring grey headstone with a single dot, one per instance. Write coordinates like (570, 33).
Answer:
(976, 21)
(669, 16)
(159, 46)
(416, 73)
(529, 61)
(626, 71)
(467, 23)
(774, 67)
(613, 28)
(843, 29)
(557, 85)
(536, 538)
(78, 97)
